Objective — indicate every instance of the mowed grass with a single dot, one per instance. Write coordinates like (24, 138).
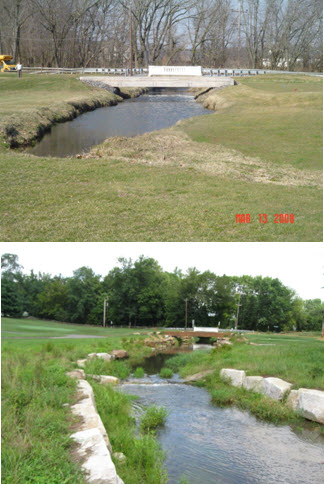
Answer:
(34, 328)
(138, 197)
(97, 200)
(277, 118)
(33, 91)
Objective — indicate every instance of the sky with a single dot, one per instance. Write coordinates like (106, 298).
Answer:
(299, 266)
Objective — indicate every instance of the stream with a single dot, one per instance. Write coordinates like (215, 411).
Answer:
(208, 444)
(160, 108)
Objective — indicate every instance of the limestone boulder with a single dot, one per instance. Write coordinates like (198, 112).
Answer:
(275, 388)
(119, 354)
(236, 377)
(311, 404)
(79, 374)
(81, 363)
(96, 458)
(119, 456)
(85, 408)
(198, 376)
(103, 356)
(253, 383)
(292, 400)
(106, 379)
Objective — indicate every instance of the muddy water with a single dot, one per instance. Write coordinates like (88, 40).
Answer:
(158, 109)
(212, 445)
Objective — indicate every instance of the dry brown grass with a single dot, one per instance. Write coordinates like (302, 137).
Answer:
(172, 147)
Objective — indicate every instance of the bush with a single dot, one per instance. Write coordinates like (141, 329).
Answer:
(154, 417)
(139, 372)
(166, 373)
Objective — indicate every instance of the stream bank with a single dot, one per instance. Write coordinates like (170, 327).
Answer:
(25, 128)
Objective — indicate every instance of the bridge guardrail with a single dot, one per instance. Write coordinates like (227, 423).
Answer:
(142, 71)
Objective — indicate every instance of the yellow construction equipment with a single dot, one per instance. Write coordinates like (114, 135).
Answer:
(6, 64)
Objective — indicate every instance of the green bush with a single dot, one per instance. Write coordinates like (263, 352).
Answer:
(154, 417)
(139, 372)
(166, 373)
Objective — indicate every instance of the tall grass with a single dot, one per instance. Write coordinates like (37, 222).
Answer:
(144, 456)
(35, 425)
(153, 418)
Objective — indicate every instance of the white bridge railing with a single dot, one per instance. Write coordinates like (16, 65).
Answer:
(175, 71)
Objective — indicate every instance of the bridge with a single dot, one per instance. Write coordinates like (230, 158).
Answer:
(161, 81)
(199, 334)
(165, 76)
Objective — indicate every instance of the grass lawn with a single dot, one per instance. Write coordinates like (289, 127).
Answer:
(259, 153)
(34, 328)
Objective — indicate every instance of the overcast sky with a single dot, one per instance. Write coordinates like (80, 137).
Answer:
(299, 266)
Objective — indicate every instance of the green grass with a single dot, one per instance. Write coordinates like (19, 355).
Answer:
(195, 194)
(144, 456)
(39, 328)
(139, 372)
(35, 425)
(166, 373)
(153, 418)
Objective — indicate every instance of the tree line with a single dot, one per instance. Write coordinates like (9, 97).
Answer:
(276, 34)
(140, 293)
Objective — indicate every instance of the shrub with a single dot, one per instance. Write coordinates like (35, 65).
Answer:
(166, 373)
(154, 417)
(139, 372)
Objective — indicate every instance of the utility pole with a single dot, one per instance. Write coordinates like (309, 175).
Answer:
(105, 307)
(130, 38)
(186, 317)
(239, 34)
(237, 312)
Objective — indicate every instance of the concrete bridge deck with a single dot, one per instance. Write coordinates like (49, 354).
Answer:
(198, 334)
(161, 81)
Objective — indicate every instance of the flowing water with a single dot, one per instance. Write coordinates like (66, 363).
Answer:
(158, 109)
(212, 445)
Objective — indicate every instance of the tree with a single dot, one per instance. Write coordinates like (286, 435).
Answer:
(84, 296)
(11, 298)
(52, 302)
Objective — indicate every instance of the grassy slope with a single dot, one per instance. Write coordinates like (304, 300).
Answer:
(264, 116)
(142, 198)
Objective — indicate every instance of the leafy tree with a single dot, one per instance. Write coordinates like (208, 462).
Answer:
(84, 297)
(52, 302)
(11, 298)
